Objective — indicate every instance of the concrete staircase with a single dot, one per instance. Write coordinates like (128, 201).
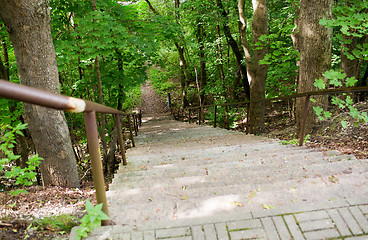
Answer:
(186, 171)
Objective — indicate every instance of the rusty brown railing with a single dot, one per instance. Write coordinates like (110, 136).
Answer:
(60, 102)
(307, 95)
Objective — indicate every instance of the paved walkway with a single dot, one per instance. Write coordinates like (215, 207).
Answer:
(340, 219)
(185, 181)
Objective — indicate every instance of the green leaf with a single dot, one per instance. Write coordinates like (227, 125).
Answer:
(350, 82)
(319, 83)
(344, 124)
(327, 114)
(336, 82)
(318, 110)
(333, 74)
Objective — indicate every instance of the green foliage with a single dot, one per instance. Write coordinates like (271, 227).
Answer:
(337, 78)
(61, 223)
(350, 21)
(16, 175)
(91, 220)
(294, 141)
(162, 80)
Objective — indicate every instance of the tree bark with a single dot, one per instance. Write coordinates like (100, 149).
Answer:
(315, 53)
(182, 62)
(234, 46)
(28, 24)
(202, 61)
(350, 67)
(257, 73)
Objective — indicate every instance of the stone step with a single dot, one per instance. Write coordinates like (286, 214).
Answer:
(222, 153)
(186, 203)
(226, 160)
(237, 175)
(164, 162)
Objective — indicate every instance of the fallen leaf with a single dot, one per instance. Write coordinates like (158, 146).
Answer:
(238, 204)
(333, 179)
(150, 199)
(184, 198)
(265, 206)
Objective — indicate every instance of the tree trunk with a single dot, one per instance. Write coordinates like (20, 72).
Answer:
(315, 53)
(202, 61)
(235, 48)
(4, 71)
(183, 75)
(350, 67)
(28, 24)
(182, 62)
(257, 73)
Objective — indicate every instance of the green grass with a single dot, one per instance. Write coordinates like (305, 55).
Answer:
(61, 223)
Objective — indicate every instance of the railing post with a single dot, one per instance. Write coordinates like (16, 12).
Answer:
(120, 139)
(215, 120)
(135, 125)
(130, 131)
(94, 152)
(140, 117)
(200, 116)
(248, 110)
(305, 115)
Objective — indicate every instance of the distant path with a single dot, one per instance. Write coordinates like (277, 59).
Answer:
(152, 104)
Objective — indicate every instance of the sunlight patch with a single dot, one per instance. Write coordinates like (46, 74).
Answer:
(209, 207)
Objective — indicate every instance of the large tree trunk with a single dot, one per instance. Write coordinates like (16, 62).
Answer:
(257, 73)
(28, 24)
(315, 53)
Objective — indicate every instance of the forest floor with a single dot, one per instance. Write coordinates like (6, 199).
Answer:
(21, 214)
(327, 134)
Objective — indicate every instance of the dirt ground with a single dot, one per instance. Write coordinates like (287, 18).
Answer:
(17, 212)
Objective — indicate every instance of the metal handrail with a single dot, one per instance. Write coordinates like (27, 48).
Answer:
(43, 98)
(307, 96)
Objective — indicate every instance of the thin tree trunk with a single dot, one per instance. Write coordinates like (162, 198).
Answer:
(235, 48)
(182, 62)
(202, 61)
(350, 67)
(28, 22)
(315, 53)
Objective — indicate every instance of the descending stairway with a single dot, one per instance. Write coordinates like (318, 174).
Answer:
(182, 171)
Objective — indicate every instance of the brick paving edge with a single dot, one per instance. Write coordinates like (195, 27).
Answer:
(242, 214)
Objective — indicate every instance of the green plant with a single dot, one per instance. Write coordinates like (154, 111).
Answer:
(91, 220)
(62, 223)
(16, 175)
(294, 141)
(338, 79)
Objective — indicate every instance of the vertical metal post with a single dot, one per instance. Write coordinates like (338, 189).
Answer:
(248, 110)
(130, 131)
(190, 115)
(140, 117)
(215, 120)
(200, 116)
(120, 139)
(305, 115)
(94, 152)
(135, 125)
